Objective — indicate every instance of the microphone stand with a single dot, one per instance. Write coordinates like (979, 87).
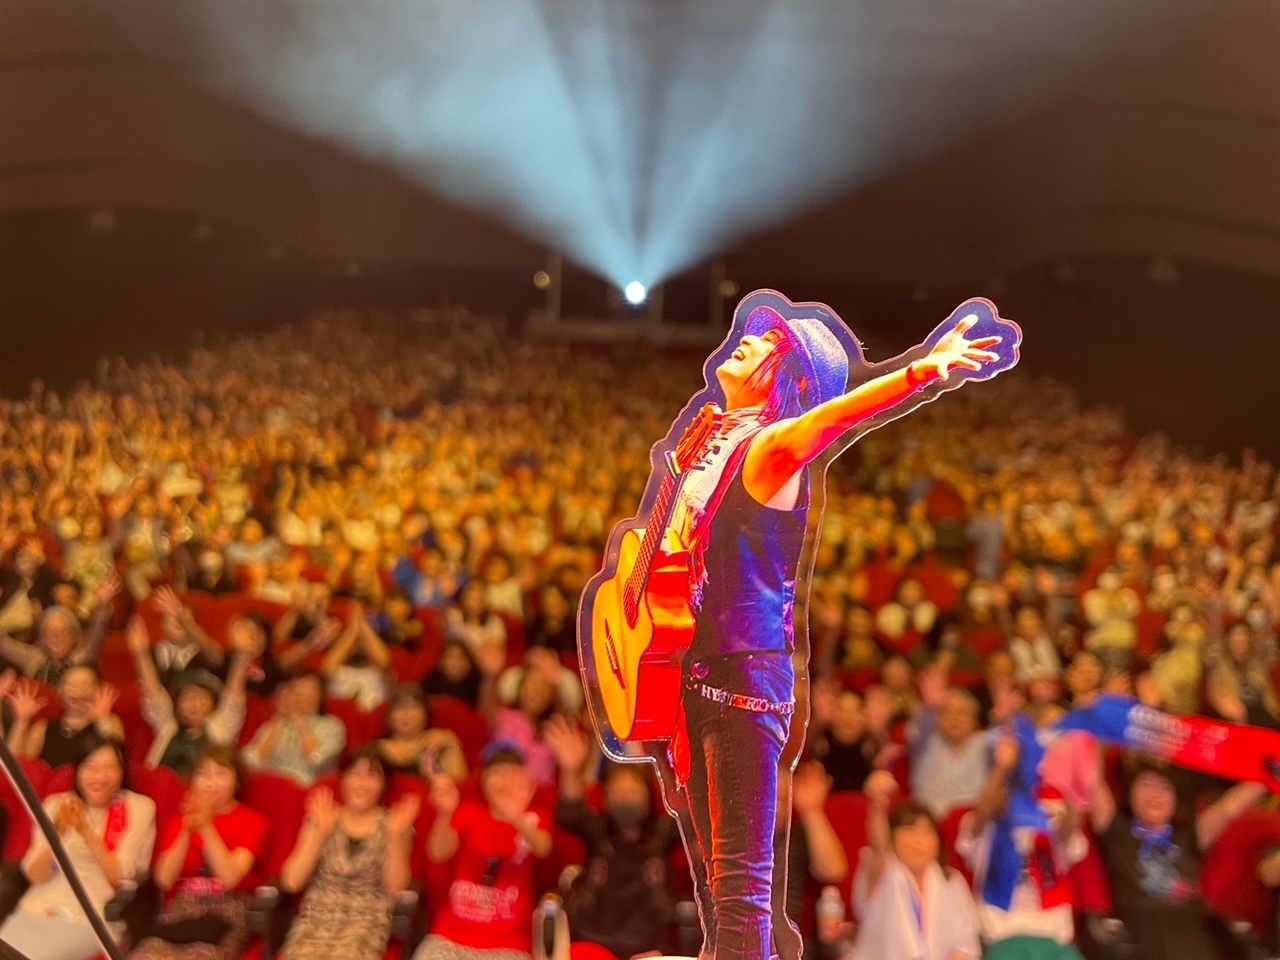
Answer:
(30, 800)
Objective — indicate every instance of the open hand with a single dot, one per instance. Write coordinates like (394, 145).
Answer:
(956, 351)
(1007, 751)
(880, 788)
(933, 686)
(137, 637)
(810, 787)
(8, 680)
(109, 589)
(444, 794)
(104, 700)
(323, 810)
(568, 743)
(491, 658)
(167, 602)
(26, 701)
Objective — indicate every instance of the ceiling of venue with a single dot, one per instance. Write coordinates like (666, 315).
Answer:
(870, 140)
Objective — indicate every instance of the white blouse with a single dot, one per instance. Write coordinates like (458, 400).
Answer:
(54, 896)
(944, 927)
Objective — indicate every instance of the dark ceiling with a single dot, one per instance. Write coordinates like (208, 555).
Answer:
(1158, 133)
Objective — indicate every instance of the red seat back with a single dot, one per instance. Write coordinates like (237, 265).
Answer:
(18, 839)
(164, 787)
(949, 832)
(1229, 878)
(257, 711)
(360, 728)
(284, 802)
(450, 713)
(847, 812)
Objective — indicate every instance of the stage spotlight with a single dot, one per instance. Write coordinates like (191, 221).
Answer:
(635, 293)
(542, 280)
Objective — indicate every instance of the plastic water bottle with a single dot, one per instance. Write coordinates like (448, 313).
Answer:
(830, 915)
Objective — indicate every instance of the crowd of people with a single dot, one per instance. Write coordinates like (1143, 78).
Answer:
(411, 514)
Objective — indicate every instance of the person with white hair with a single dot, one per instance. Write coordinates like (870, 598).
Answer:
(60, 645)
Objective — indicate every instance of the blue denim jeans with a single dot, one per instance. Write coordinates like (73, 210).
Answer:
(732, 796)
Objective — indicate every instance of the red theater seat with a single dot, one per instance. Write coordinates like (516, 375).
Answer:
(847, 812)
(284, 802)
(18, 838)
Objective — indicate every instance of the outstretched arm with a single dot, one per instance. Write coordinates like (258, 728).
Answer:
(785, 447)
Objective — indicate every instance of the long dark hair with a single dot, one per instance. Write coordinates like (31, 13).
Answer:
(787, 391)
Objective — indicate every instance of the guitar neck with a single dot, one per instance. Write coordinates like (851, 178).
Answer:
(654, 531)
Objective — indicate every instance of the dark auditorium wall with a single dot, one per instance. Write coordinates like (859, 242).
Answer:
(1195, 357)
(68, 298)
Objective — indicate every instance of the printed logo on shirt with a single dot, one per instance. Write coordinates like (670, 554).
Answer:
(476, 903)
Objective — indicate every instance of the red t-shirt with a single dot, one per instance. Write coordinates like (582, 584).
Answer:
(240, 828)
(491, 897)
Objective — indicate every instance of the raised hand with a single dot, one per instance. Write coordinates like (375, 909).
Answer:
(137, 637)
(810, 787)
(568, 743)
(323, 810)
(167, 602)
(933, 686)
(491, 658)
(324, 635)
(1006, 701)
(110, 588)
(956, 351)
(8, 680)
(822, 701)
(104, 700)
(1007, 752)
(26, 701)
(889, 755)
(403, 814)
(444, 794)
(880, 788)
(543, 661)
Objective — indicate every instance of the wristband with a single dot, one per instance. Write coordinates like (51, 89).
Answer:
(914, 380)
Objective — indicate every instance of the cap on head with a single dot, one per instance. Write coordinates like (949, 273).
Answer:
(501, 752)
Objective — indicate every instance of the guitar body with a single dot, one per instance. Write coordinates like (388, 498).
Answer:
(639, 667)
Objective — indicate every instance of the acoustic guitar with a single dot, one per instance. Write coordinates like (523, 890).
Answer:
(641, 622)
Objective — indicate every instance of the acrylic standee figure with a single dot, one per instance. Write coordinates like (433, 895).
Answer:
(690, 656)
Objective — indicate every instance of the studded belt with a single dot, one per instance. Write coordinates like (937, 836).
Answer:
(740, 702)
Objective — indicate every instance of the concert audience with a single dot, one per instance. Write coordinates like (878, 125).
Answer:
(351, 857)
(621, 899)
(205, 862)
(492, 845)
(454, 499)
(299, 741)
(108, 833)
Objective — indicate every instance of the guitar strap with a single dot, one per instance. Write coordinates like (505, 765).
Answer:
(678, 749)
